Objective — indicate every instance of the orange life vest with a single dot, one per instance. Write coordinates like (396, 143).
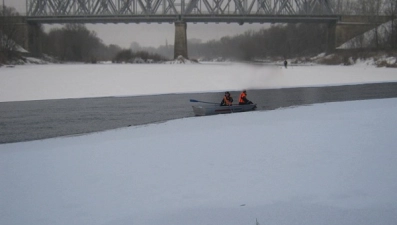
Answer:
(242, 97)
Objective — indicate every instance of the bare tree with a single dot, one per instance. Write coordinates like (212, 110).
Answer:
(10, 33)
(74, 42)
(391, 10)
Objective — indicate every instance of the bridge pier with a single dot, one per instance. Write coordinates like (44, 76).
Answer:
(34, 39)
(24, 34)
(180, 46)
(331, 37)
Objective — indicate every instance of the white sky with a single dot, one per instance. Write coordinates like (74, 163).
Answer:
(153, 34)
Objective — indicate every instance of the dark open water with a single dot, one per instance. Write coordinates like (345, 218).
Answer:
(34, 120)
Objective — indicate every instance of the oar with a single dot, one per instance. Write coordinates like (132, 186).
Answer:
(194, 100)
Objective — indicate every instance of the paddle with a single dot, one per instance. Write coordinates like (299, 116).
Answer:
(194, 100)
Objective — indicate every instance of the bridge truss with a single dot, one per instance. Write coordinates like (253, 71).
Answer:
(130, 11)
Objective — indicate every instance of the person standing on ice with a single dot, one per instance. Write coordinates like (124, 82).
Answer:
(243, 99)
(285, 64)
(227, 99)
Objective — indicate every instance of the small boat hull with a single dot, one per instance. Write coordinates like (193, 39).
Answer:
(215, 109)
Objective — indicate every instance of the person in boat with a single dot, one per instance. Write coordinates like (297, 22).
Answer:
(227, 99)
(243, 99)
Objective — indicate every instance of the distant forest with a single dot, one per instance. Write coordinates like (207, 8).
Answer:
(283, 41)
(74, 42)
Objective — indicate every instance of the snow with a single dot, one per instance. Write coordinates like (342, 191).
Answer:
(59, 81)
(32, 60)
(18, 48)
(332, 163)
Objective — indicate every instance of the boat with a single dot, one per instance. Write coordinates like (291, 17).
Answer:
(217, 109)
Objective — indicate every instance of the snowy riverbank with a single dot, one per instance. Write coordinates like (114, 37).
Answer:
(326, 164)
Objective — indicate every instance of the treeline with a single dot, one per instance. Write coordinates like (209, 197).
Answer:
(74, 42)
(278, 41)
(70, 43)
(292, 40)
(128, 56)
(284, 40)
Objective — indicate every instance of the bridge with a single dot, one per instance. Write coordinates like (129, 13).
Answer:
(159, 11)
(181, 12)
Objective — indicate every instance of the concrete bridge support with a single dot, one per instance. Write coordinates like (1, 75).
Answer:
(23, 33)
(180, 46)
(34, 39)
(331, 37)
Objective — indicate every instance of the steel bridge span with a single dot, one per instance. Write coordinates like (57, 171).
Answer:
(182, 12)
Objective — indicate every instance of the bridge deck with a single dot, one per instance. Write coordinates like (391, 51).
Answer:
(218, 11)
(187, 18)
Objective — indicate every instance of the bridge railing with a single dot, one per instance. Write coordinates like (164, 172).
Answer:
(97, 8)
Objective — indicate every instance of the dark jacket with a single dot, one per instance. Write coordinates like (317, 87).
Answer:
(226, 101)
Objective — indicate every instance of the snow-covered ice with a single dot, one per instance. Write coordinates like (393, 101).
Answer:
(35, 82)
(332, 163)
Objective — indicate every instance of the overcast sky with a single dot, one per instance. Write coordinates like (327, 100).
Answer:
(152, 34)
